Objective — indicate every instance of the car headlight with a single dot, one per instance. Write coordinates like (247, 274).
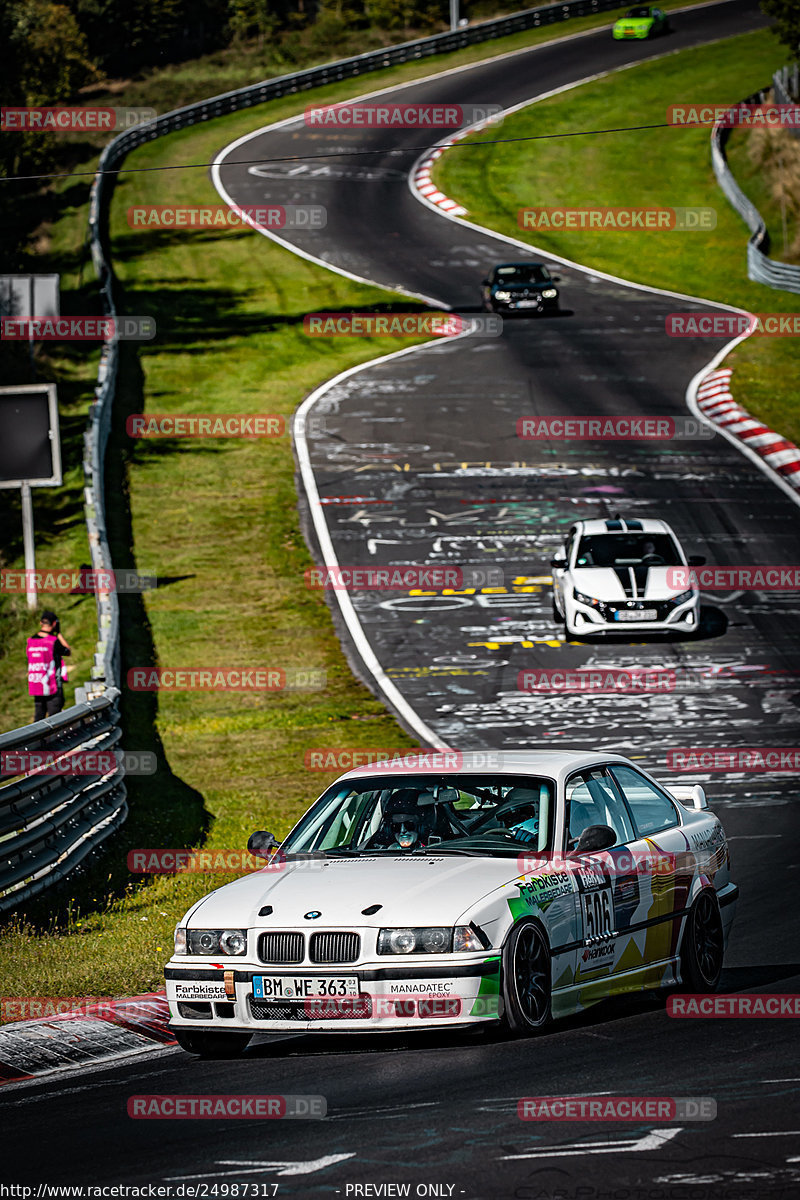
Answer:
(502, 295)
(465, 938)
(431, 939)
(684, 596)
(180, 939)
(550, 293)
(592, 601)
(216, 941)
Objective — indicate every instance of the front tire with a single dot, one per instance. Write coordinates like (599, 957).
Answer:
(527, 976)
(211, 1045)
(703, 945)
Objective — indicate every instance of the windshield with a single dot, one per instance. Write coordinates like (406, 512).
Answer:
(638, 14)
(628, 550)
(522, 273)
(456, 814)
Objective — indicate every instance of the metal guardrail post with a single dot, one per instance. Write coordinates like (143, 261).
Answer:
(761, 269)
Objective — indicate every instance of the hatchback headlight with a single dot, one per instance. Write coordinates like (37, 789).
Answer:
(500, 295)
(550, 293)
(684, 596)
(216, 941)
(431, 939)
(592, 601)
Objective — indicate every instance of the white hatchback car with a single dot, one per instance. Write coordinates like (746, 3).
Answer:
(610, 574)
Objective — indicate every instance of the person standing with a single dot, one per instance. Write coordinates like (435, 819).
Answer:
(46, 668)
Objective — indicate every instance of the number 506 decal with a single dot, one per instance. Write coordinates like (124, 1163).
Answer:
(598, 912)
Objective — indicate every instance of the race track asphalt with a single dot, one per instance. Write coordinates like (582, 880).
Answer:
(433, 433)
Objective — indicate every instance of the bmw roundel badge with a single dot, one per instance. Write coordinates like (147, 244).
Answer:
(312, 916)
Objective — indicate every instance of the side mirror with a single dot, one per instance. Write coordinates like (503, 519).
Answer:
(555, 278)
(261, 843)
(696, 560)
(485, 283)
(595, 837)
(558, 563)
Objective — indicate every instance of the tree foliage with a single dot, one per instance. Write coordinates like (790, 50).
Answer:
(786, 15)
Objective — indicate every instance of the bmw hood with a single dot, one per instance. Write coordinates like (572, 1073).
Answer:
(410, 891)
(625, 583)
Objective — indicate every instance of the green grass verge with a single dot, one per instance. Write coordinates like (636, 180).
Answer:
(218, 521)
(60, 246)
(656, 168)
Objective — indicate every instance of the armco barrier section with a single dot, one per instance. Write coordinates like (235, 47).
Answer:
(53, 824)
(786, 89)
(761, 269)
(49, 822)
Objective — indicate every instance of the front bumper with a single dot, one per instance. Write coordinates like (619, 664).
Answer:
(583, 619)
(422, 996)
(510, 307)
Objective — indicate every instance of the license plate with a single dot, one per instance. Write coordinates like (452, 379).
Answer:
(638, 614)
(527, 304)
(299, 987)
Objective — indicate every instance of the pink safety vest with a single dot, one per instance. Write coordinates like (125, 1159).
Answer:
(42, 677)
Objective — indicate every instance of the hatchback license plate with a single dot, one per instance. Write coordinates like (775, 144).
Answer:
(638, 614)
(299, 987)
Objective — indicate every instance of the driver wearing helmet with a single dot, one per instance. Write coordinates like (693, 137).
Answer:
(402, 821)
(519, 813)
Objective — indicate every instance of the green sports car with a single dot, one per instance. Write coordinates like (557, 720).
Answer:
(642, 22)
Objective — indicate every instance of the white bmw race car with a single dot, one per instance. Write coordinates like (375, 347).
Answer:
(611, 574)
(446, 890)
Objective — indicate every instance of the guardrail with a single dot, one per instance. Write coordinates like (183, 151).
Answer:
(48, 824)
(786, 89)
(760, 268)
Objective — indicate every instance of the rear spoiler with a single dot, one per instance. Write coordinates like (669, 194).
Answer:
(690, 793)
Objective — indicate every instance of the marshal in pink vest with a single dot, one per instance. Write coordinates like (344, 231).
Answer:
(42, 675)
